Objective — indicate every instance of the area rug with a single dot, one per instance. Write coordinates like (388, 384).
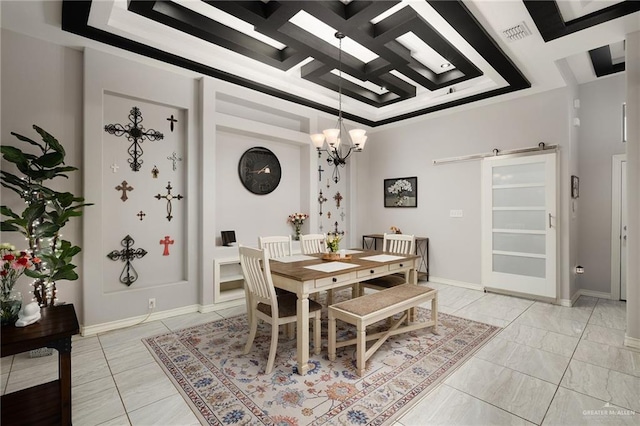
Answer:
(225, 387)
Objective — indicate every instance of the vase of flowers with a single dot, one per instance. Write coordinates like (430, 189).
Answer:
(333, 242)
(297, 220)
(400, 188)
(14, 264)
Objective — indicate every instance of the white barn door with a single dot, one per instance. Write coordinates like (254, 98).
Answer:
(519, 224)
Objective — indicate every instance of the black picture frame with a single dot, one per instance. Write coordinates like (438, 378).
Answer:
(575, 186)
(406, 195)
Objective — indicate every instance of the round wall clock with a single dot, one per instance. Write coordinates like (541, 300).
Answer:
(259, 170)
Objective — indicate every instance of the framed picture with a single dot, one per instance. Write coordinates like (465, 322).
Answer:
(401, 192)
(575, 186)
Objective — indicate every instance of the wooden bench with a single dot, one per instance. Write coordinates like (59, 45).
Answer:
(374, 307)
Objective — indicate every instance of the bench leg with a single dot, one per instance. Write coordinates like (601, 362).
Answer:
(332, 338)
(361, 348)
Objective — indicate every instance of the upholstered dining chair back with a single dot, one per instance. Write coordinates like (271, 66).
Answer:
(313, 243)
(276, 246)
(399, 243)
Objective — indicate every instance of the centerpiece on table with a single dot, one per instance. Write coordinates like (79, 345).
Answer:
(297, 220)
(14, 263)
(333, 245)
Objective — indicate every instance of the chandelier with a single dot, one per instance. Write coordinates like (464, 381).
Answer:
(340, 143)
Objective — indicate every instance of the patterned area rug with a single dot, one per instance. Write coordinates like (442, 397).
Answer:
(224, 387)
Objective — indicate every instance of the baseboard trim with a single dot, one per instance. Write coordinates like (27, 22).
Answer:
(456, 283)
(570, 302)
(591, 293)
(631, 342)
(220, 306)
(128, 322)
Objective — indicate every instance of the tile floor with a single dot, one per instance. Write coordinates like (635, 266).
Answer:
(550, 365)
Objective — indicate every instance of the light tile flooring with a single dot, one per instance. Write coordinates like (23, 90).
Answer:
(550, 365)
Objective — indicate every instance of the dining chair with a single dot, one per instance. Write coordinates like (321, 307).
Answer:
(392, 243)
(313, 243)
(276, 246)
(269, 307)
(317, 243)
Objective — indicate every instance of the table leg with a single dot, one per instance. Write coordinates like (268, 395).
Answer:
(64, 378)
(303, 333)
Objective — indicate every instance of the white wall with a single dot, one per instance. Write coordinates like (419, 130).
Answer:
(409, 151)
(600, 139)
(42, 84)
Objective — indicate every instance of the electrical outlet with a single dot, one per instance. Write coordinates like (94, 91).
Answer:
(455, 213)
(152, 303)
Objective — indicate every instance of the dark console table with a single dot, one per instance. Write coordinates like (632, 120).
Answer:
(370, 242)
(48, 403)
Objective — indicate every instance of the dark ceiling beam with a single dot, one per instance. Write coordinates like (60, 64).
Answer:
(75, 19)
(603, 62)
(551, 24)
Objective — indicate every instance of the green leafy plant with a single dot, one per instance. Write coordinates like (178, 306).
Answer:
(47, 211)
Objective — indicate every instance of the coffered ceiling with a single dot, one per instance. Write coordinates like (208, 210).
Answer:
(400, 59)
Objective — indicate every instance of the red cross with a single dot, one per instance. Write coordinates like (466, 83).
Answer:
(167, 240)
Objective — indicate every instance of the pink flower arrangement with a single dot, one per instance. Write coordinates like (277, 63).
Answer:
(14, 264)
(297, 218)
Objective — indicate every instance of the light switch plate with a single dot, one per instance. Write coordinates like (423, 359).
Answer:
(455, 213)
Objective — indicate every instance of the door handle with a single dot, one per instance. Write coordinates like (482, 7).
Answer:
(549, 220)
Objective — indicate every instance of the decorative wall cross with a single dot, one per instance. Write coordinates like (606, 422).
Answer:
(328, 185)
(128, 275)
(328, 215)
(167, 241)
(136, 134)
(141, 215)
(114, 167)
(342, 215)
(168, 196)
(320, 170)
(155, 171)
(124, 187)
(336, 232)
(172, 120)
(338, 197)
(174, 158)
(321, 200)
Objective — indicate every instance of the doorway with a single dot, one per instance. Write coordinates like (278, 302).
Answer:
(619, 227)
(519, 224)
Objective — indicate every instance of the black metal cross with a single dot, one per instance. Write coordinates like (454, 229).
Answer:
(336, 232)
(128, 275)
(320, 170)
(168, 196)
(172, 120)
(338, 197)
(124, 187)
(154, 172)
(321, 200)
(136, 134)
(141, 215)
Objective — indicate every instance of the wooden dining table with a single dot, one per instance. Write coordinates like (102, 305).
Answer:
(308, 274)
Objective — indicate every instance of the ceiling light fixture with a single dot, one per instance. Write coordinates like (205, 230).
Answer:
(338, 145)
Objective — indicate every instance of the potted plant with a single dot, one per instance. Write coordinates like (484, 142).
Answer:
(46, 211)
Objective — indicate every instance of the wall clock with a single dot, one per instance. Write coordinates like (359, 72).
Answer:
(259, 170)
